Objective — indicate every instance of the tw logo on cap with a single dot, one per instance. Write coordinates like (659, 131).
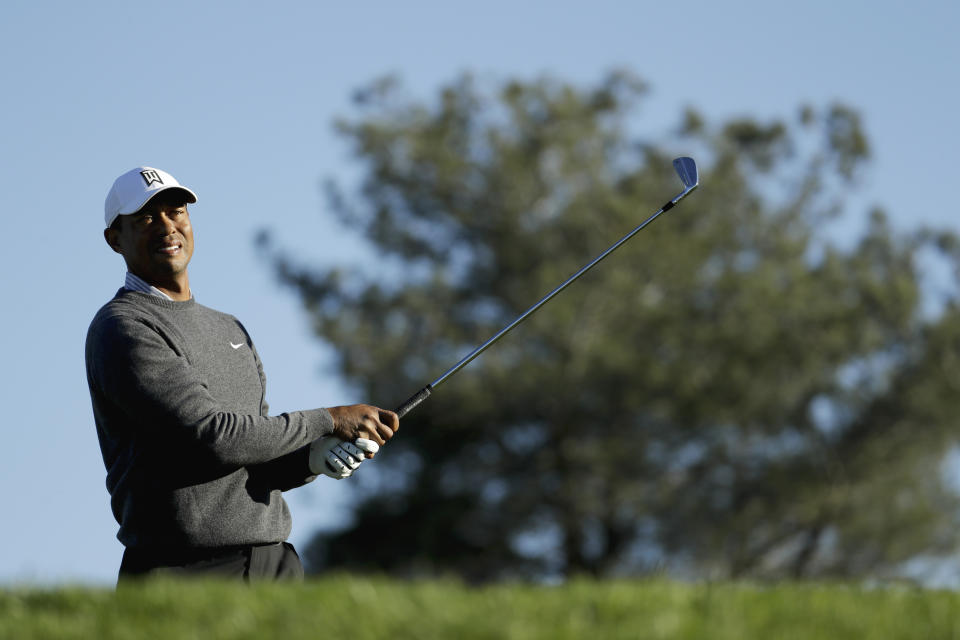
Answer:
(150, 176)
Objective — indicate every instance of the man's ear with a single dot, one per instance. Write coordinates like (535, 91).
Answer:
(111, 235)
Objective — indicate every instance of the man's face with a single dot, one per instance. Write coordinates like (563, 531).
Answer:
(157, 241)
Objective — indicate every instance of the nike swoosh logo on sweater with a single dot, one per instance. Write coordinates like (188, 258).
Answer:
(236, 346)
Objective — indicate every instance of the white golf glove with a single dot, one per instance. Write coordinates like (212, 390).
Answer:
(338, 459)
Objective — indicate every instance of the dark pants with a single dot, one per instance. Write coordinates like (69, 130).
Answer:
(248, 563)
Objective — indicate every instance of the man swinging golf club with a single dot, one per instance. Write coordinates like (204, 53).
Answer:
(195, 464)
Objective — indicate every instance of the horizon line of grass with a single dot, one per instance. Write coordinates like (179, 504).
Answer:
(359, 608)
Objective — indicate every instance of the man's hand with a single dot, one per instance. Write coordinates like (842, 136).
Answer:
(337, 459)
(364, 421)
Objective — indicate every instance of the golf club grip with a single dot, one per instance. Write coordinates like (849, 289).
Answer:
(413, 401)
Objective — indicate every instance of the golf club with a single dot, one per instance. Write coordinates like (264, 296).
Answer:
(686, 168)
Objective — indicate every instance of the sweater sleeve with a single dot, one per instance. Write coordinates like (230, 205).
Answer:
(286, 472)
(134, 365)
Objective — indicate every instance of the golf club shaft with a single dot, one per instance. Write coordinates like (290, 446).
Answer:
(425, 392)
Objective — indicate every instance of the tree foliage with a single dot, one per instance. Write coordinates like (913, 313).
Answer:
(732, 393)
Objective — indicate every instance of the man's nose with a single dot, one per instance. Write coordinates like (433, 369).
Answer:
(166, 224)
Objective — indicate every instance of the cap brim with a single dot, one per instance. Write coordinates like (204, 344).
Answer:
(136, 206)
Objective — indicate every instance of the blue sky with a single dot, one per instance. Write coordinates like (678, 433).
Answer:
(236, 100)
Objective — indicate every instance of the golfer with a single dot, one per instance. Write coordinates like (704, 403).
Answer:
(195, 465)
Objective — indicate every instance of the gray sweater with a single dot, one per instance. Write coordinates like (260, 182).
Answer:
(193, 459)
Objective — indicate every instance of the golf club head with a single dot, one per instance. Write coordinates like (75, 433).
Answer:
(686, 168)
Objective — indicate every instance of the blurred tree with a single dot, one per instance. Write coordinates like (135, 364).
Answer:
(731, 394)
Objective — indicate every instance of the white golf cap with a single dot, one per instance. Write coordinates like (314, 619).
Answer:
(133, 189)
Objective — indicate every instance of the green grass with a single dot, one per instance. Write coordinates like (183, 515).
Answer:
(362, 608)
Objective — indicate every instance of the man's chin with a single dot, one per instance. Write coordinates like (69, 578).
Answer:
(170, 264)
